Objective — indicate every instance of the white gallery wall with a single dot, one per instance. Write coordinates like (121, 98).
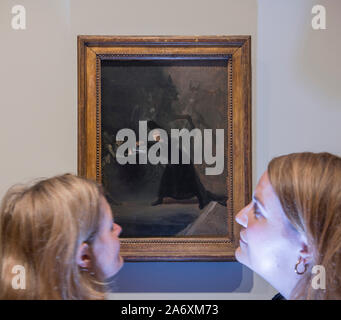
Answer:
(296, 96)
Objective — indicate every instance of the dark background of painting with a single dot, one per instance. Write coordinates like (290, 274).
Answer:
(158, 90)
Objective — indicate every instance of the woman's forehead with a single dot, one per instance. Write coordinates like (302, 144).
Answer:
(265, 193)
(263, 187)
(106, 209)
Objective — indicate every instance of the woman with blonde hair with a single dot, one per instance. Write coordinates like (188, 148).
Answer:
(60, 234)
(291, 231)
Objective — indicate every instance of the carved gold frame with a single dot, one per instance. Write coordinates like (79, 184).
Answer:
(237, 49)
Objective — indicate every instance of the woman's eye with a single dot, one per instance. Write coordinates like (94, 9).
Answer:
(256, 211)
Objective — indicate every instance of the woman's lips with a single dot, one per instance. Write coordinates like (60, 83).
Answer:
(242, 239)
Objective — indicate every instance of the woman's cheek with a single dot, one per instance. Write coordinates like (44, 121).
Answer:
(116, 248)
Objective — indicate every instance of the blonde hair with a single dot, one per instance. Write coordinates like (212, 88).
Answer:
(41, 229)
(308, 186)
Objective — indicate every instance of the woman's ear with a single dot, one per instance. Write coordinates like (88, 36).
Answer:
(83, 256)
(305, 251)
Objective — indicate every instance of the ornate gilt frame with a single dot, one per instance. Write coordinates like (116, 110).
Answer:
(93, 49)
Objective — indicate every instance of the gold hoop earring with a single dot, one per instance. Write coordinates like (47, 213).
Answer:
(296, 267)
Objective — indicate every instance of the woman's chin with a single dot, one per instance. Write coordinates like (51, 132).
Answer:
(240, 256)
(121, 263)
(117, 266)
(237, 254)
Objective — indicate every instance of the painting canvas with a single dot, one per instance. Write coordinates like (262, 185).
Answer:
(167, 200)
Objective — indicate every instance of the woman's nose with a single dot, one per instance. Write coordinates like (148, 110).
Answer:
(118, 228)
(241, 217)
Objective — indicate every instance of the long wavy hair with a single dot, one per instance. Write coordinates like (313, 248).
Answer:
(41, 227)
(308, 186)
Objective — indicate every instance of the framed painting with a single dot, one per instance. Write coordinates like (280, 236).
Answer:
(164, 124)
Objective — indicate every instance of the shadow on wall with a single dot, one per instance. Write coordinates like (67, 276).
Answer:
(183, 277)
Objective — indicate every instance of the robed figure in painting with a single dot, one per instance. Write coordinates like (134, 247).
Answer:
(181, 181)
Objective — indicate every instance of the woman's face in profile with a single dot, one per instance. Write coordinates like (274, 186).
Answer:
(106, 246)
(269, 245)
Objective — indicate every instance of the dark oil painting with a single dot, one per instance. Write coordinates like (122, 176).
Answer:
(164, 200)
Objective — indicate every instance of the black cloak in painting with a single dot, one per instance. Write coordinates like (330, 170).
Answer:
(181, 181)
